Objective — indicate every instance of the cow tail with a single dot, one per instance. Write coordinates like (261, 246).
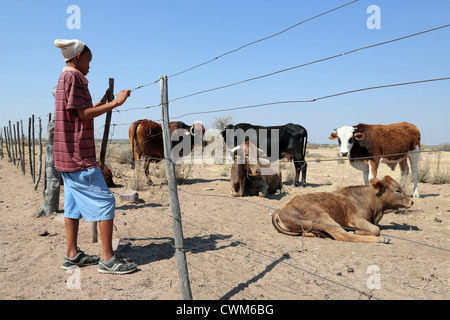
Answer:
(133, 140)
(280, 227)
(305, 142)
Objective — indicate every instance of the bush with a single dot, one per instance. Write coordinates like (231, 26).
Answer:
(440, 175)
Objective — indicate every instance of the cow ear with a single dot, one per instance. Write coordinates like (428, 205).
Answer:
(377, 184)
(333, 136)
(388, 179)
(261, 153)
(359, 136)
(264, 161)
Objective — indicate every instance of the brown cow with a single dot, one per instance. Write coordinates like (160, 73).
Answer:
(252, 173)
(146, 140)
(358, 208)
(108, 176)
(391, 144)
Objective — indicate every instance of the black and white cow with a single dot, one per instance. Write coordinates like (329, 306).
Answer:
(286, 141)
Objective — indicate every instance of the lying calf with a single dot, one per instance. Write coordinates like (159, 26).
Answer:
(253, 174)
(331, 213)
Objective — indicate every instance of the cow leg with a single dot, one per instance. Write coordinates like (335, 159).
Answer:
(146, 170)
(240, 192)
(263, 189)
(303, 167)
(300, 165)
(234, 190)
(338, 233)
(373, 169)
(414, 160)
(349, 237)
(363, 227)
(280, 183)
(364, 167)
(404, 168)
(328, 225)
(234, 193)
(293, 225)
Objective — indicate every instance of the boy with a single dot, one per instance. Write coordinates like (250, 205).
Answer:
(85, 192)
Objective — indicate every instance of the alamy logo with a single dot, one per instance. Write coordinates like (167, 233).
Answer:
(74, 280)
(74, 20)
(374, 280)
(374, 20)
(185, 141)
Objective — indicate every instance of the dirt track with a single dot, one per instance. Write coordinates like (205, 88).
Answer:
(234, 251)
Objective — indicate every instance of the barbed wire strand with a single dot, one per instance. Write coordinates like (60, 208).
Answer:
(292, 101)
(311, 100)
(310, 63)
(263, 39)
(245, 45)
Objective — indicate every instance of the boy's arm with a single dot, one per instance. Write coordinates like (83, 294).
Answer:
(103, 100)
(101, 107)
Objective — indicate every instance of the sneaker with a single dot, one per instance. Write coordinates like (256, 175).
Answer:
(116, 265)
(79, 260)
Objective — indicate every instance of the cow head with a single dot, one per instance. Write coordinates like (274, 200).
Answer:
(253, 158)
(107, 175)
(346, 136)
(197, 131)
(391, 193)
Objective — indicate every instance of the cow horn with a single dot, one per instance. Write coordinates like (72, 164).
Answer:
(192, 131)
(235, 149)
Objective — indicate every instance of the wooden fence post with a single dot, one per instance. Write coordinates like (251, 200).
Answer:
(103, 148)
(33, 149)
(107, 125)
(11, 143)
(23, 146)
(40, 156)
(53, 186)
(1, 144)
(5, 129)
(19, 145)
(173, 193)
(29, 148)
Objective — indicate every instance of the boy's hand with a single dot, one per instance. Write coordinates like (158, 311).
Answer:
(122, 96)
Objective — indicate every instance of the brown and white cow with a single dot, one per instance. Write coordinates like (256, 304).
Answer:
(146, 140)
(356, 208)
(252, 173)
(391, 144)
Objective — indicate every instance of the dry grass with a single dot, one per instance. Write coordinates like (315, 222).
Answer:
(434, 174)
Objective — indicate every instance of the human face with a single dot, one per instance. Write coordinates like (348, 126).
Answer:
(84, 61)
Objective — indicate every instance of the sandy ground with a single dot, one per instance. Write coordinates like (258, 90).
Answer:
(233, 251)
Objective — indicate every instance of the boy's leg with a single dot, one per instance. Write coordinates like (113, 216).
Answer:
(106, 232)
(72, 217)
(71, 226)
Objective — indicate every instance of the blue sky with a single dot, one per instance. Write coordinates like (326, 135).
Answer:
(135, 42)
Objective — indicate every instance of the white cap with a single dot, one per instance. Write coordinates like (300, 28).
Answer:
(70, 48)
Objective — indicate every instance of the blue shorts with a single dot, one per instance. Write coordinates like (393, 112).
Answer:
(87, 195)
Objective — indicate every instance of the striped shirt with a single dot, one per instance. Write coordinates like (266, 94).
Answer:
(74, 145)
